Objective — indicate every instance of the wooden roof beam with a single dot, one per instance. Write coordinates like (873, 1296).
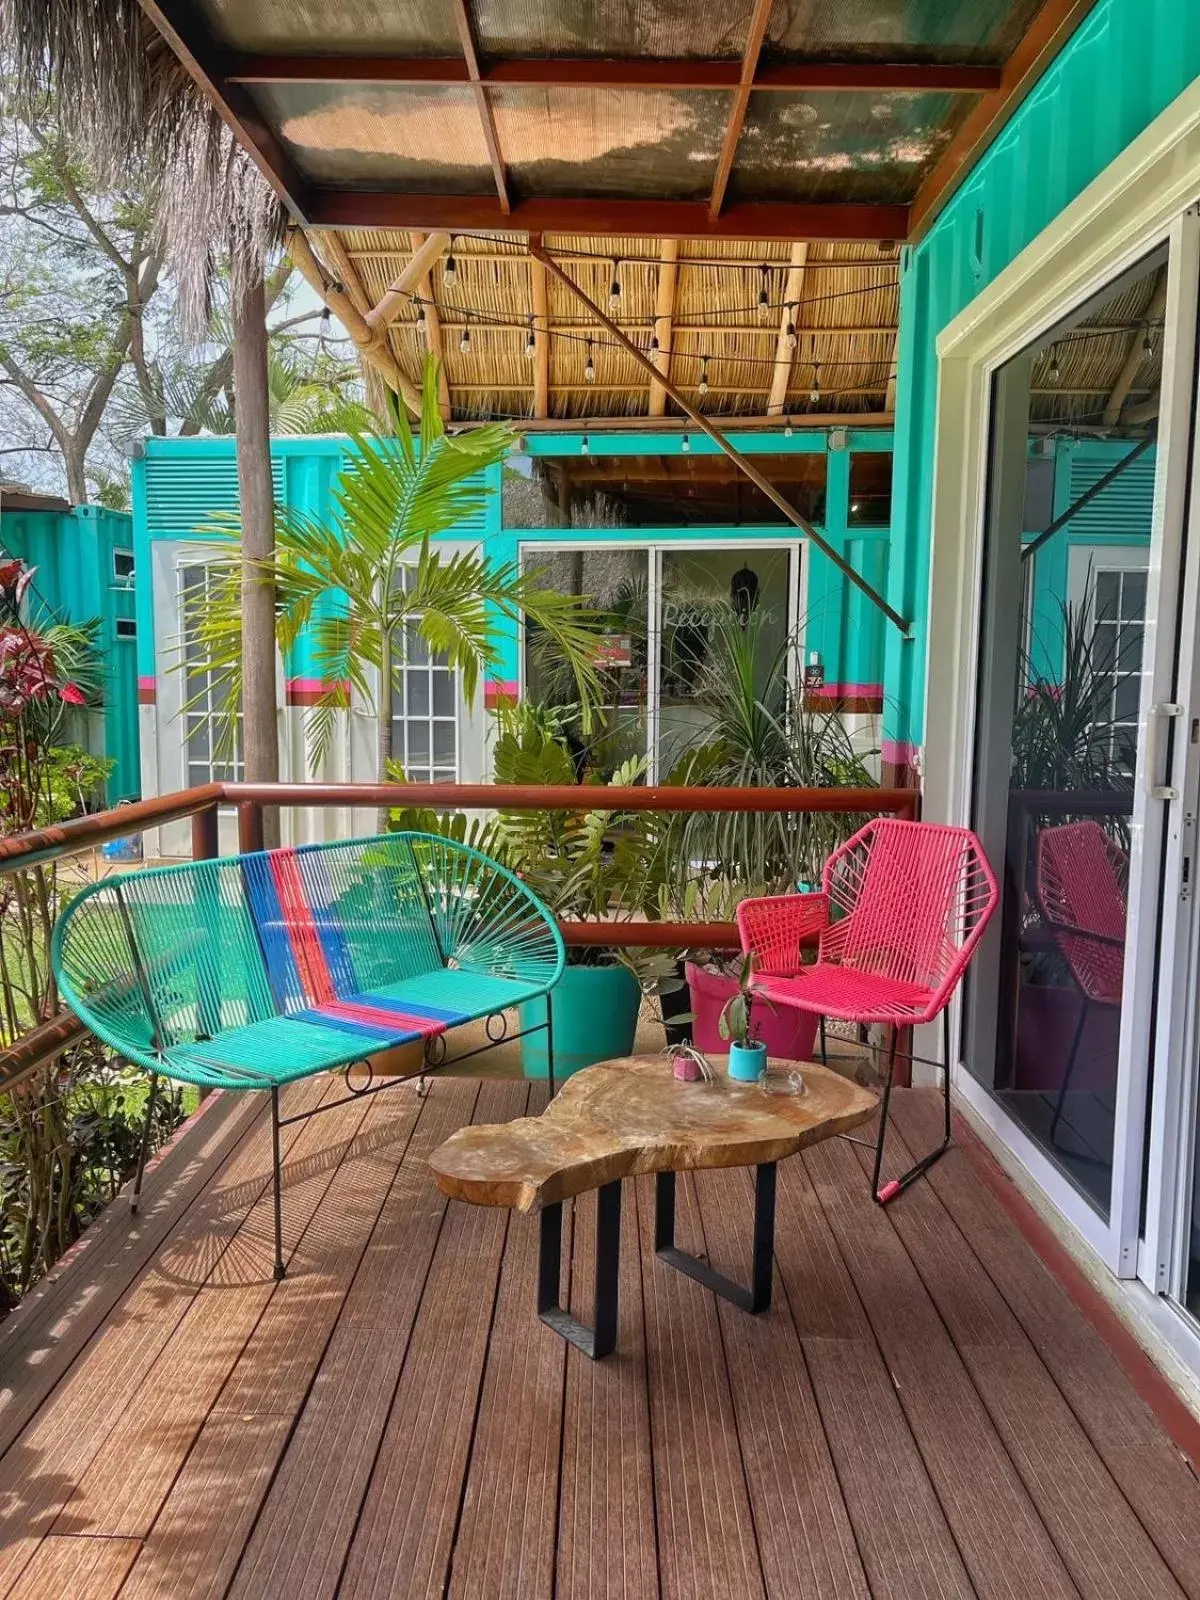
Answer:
(487, 120)
(1043, 39)
(178, 21)
(371, 342)
(664, 308)
(1135, 355)
(431, 323)
(638, 72)
(400, 294)
(540, 300)
(656, 219)
(785, 344)
(755, 33)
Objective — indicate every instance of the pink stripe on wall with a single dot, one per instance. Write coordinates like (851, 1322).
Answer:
(147, 691)
(847, 691)
(496, 692)
(309, 691)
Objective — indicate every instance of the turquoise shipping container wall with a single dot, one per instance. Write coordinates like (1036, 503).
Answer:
(1118, 72)
(179, 484)
(85, 564)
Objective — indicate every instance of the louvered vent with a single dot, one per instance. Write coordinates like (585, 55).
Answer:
(182, 495)
(1125, 509)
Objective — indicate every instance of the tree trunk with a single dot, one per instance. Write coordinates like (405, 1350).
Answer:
(385, 719)
(74, 458)
(259, 721)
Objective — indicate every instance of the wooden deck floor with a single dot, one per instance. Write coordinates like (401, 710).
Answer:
(924, 1411)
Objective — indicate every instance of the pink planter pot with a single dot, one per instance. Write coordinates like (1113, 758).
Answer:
(786, 1033)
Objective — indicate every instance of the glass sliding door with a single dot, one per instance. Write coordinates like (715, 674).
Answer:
(662, 607)
(1065, 718)
(703, 593)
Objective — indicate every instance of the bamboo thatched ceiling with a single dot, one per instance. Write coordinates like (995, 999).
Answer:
(528, 340)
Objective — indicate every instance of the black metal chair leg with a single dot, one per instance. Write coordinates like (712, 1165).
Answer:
(1060, 1102)
(890, 1190)
(144, 1146)
(824, 1045)
(279, 1267)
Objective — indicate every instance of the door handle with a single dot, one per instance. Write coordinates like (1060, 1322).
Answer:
(1163, 711)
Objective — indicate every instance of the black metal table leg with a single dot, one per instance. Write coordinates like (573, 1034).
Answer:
(758, 1297)
(600, 1339)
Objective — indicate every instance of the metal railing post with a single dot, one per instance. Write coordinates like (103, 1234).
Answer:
(206, 844)
(250, 826)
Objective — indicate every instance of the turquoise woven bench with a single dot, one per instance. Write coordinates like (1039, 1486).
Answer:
(255, 970)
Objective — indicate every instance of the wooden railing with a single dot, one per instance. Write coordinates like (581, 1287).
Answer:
(49, 1039)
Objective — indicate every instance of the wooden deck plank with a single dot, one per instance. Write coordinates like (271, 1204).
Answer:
(903, 1538)
(1105, 1548)
(393, 1420)
(707, 1544)
(76, 1569)
(40, 1472)
(55, 1321)
(504, 1548)
(607, 1537)
(201, 1531)
(403, 1543)
(300, 1518)
(124, 1488)
(1149, 1470)
(1004, 1543)
(805, 1537)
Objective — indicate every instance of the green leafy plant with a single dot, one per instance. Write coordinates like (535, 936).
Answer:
(735, 1024)
(369, 584)
(760, 734)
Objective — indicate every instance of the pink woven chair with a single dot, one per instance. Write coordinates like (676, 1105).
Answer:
(901, 909)
(1082, 879)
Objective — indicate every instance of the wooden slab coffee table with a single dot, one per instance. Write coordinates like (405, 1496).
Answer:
(631, 1116)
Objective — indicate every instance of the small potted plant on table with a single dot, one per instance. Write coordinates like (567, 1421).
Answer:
(747, 1054)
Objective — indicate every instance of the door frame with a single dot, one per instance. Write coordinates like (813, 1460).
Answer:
(1139, 202)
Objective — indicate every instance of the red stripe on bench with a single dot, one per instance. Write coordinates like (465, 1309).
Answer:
(301, 928)
(393, 1021)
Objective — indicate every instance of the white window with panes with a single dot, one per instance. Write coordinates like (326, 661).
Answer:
(424, 710)
(1111, 582)
(209, 754)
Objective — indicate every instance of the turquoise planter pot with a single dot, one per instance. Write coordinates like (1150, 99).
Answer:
(595, 1018)
(747, 1062)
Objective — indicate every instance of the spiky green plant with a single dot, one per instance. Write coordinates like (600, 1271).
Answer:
(366, 582)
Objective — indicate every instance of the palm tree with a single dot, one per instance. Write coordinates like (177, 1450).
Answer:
(367, 581)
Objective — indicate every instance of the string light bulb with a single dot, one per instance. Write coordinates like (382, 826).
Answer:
(653, 344)
(326, 322)
(1147, 344)
(584, 446)
(814, 394)
(614, 290)
(464, 344)
(791, 330)
(702, 386)
(788, 429)
(685, 444)
(764, 301)
(1055, 369)
(420, 315)
(450, 270)
(530, 342)
(589, 367)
